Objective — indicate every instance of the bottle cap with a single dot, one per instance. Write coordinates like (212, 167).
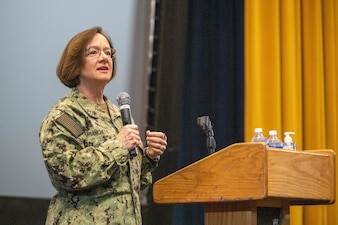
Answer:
(272, 132)
(258, 129)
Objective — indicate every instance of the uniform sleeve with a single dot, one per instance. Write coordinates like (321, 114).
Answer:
(148, 166)
(73, 163)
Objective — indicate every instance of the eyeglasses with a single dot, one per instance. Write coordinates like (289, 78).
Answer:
(96, 52)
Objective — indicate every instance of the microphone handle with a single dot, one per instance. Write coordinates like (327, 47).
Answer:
(126, 119)
(132, 153)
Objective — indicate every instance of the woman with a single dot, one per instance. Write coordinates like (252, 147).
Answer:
(86, 147)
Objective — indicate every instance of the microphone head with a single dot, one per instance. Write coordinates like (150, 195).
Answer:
(123, 98)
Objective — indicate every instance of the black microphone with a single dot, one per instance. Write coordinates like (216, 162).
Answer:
(123, 100)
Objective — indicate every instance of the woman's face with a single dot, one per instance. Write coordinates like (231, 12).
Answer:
(98, 62)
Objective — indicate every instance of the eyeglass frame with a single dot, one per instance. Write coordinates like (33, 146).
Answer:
(112, 56)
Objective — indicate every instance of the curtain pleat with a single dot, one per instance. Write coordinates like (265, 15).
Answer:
(213, 85)
(262, 70)
(291, 69)
(330, 10)
(291, 79)
(314, 107)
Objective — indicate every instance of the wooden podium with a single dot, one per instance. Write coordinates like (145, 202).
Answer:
(248, 184)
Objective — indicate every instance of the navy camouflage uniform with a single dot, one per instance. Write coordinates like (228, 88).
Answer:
(96, 180)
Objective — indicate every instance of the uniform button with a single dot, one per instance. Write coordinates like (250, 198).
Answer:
(124, 158)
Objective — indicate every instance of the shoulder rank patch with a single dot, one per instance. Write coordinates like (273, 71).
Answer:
(69, 123)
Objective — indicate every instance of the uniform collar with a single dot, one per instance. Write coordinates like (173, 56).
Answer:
(91, 108)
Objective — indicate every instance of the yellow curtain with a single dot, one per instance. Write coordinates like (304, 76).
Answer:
(291, 53)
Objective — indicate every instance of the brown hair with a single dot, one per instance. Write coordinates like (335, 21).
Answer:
(72, 58)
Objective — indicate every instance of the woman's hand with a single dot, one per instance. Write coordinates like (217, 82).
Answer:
(130, 136)
(157, 144)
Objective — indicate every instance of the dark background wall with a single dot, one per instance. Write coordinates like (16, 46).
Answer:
(23, 211)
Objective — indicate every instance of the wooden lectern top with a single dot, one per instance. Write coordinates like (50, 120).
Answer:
(250, 171)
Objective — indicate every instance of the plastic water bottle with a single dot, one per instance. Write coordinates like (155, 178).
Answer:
(273, 141)
(258, 137)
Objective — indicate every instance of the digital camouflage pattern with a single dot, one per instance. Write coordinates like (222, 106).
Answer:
(97, 182)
